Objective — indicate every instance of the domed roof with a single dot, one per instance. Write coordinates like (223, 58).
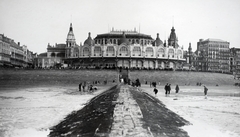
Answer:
(123, 39)
(89, 41)
(157, 42)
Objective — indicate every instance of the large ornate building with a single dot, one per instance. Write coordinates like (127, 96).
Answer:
(129, 49)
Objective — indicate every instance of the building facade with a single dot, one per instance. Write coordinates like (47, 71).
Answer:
(235, 62)
(213, 55)
(14, 55)
(129, 49)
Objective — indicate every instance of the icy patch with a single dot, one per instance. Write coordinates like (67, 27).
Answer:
(31, 112)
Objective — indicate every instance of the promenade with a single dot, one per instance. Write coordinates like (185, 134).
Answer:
(122, 111)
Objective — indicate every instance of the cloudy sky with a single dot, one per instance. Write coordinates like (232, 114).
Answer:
(36, 23)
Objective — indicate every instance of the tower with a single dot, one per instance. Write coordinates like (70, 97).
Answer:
(173, 40)
(70, 38)
(190, 53)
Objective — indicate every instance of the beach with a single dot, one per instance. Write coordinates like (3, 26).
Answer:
(32, 111)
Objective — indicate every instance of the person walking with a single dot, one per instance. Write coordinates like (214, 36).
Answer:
(166, 89)
(205, 91)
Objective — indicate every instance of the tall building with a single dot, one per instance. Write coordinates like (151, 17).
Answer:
(5, 53)
(213, 55)
(235, 62)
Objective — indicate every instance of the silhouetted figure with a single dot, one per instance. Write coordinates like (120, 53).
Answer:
(84, 85)
(169, 88)
(155, 91)
(177, 89)
(205, 91)
(166, 89)
(80, 86)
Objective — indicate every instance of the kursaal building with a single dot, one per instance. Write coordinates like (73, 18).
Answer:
(128, 49)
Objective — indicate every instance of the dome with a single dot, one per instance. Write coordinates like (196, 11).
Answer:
(157, 42)
(123, 39)
(89, 41)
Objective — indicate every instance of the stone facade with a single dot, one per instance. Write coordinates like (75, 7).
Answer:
(14, 55)
(213, 55)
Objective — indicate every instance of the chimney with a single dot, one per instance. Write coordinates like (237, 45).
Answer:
(18, 43)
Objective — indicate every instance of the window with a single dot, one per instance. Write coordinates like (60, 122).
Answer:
(123, 50)
(137, 51)
(149, 51)
(97, 50)
(110, 50)
(171, 53)
(86, 51)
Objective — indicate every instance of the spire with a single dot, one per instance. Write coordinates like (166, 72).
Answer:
(71, 29)
(70, 37)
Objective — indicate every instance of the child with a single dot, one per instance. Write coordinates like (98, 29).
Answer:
(155, 91)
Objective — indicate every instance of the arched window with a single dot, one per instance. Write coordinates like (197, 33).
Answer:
(171, 53)
(149, 51)
(136, 51)
(97, 51)
(110, 51)
(161, 52)
(179, 54)
(86, 51)
(123, 51)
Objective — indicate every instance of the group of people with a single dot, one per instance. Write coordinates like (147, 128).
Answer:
(83, 87)
(168, 89)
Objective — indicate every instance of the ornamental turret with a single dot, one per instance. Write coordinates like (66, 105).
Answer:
(71, 42)
(173, 40)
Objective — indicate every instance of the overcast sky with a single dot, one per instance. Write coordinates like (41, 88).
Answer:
(36, 23)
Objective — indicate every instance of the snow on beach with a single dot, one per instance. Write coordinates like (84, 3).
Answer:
(32, 111)
(217, 116)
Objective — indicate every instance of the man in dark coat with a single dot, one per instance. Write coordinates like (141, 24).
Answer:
(166, 89)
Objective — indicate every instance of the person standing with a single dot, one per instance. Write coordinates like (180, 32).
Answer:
(80, 87)
(177, 89)
(166, 89)
(205, 91)
(169, 88)
(84, 85)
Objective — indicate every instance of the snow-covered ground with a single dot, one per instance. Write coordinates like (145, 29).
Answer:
(32, 111)
(216, 116)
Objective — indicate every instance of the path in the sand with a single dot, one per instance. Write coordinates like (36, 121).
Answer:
(122, 111)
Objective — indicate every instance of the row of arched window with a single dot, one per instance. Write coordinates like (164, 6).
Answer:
(124, 51)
